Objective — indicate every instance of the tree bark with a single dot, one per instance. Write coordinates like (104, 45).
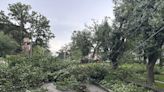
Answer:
(114, 63)
(161, 63)
(161, 60)
(145, 59)
(95, 50)
(150, 68)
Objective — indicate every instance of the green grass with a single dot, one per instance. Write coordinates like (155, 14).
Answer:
(159, 85)
(159, 77)
(140, 74)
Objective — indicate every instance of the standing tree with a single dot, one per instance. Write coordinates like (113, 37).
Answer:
(19, 13)
(82, 41)
(28, 22)
(40, 29)
(101, 38)
(143, 17)
(109, 41)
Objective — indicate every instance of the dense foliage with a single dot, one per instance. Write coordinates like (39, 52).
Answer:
(7, 44)
(21, 21)
(117, 56)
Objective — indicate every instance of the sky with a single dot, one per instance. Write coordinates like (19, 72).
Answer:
(67, 15)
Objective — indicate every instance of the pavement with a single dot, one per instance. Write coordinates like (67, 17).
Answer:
(52, 88)
(93, 88)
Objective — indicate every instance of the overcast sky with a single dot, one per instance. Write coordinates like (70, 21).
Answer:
(66, 15)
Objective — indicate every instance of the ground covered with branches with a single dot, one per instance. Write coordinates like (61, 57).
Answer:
(124, 56)
(20, 73)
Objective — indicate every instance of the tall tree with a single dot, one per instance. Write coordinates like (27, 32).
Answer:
(103, 40)
(101, 36)
(143, 17)
(19, 13)
(26, 22)
(109, 41)
(82, 40)
(40, 29)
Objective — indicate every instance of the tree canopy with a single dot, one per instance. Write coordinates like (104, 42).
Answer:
(7, 44)
(26, 22)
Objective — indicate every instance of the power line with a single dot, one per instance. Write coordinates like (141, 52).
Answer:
(137, 29)
(148, 39)
(133, 31)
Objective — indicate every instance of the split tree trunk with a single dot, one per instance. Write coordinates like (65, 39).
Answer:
(95, 50)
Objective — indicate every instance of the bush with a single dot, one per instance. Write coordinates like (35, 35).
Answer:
(136, 68)
(20, 77)
(23, 73)
(116, 75)
(120, 86)
(123, 87)
(157, 70)
(95, 71)
(7, 44)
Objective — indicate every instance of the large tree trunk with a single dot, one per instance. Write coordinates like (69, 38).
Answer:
(161, 59)
(95, 50)
(161, 62)
(145, 59)
(150, 68)
(150, 73)
(114, 63)
(22, 29)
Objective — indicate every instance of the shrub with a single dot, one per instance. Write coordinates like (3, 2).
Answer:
(20, 77)
(114, 76)
(95, 71)
(136, 68)
(157, 70)
(123, 87)
(7, 44)
(120, 86)
(21, 74)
